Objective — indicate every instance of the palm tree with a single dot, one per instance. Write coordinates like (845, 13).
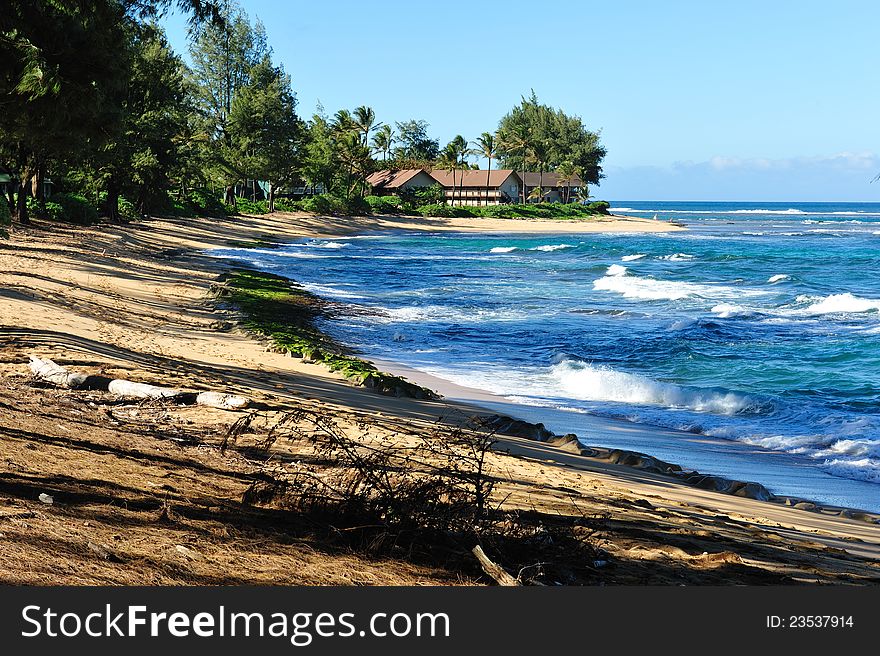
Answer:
(540, 149)
(583, 193)
(343, 122)
(487, 147)
(364, 121)
(517, 140)
(458, 149)
(537, 194)
(383, 141)
(448, 161)
(566, 172)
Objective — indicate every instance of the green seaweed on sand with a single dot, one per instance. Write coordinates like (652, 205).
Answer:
(275, 308)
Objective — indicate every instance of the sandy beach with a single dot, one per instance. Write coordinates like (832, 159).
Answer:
(136, 299)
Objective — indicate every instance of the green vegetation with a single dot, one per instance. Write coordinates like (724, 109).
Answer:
(530, 211)
(275, 308)
(93, 99)
(533, 135)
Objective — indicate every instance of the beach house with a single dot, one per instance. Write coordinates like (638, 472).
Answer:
(470, 187)
(556, 189)
(390, 182)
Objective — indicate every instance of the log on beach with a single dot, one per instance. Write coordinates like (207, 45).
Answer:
(49, 372)
(121, 387)
(223, 401)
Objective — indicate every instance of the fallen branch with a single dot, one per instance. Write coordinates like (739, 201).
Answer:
(494, 570)
(141, 390)
(49, 372)
(223, 401)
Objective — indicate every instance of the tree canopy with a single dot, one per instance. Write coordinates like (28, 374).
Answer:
(533, 134)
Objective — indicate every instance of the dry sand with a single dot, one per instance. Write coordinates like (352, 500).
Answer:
(133, 300)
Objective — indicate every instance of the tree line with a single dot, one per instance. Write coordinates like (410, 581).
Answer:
(93, 96)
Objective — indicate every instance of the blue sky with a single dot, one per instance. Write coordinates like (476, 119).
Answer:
(772, 100)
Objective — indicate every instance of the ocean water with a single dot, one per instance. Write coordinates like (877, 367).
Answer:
(754, 336)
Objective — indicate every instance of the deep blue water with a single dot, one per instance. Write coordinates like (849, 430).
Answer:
(759, 325)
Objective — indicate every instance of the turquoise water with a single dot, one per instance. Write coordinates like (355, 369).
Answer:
(758, 330)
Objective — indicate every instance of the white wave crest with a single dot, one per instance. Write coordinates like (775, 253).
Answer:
(327, 290)
(503, 249)
(551, 247)
(728, 310)
(676, 257)
(630, 258)
(839, 304)
(617, 280)
(863, 469)
(779, 277)
(324, 244)
(601, 383)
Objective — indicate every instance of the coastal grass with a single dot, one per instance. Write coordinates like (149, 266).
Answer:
(276, 309)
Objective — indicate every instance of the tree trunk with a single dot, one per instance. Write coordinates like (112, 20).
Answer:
(229, 195)
(112, 204)
(21, 209)
(255, 190)
(37, 184)
(270, 204)
(9, 199)
(488, 178)
(541, 183)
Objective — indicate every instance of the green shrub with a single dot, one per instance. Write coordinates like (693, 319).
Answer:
(248, 206)
(5, 217)
(71, 208)
(599, 206)
(417, 197)
(447, 211)
(285, 205)
(320, 204)
(384, 204)
(329, 204)
(205, 202)
(356, 206)
(126, 209)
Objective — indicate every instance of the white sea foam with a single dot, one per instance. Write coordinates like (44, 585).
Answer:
(600, 383)
(789, 211)
(617, 280)
(838, 304)
(779, 277)
(728, 310)
(444, 314)
(324, 244)
(863, 469)
(327, 290)
(676, 257)
(551, 247)
(630, 258)
(503, 249)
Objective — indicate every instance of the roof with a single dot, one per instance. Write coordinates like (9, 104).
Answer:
(392, 179)
(550, 179)
(472, 178)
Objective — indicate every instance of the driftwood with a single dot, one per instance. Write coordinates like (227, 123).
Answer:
(49, 372)
(121, 387)
(223, 401)
(494, 570)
